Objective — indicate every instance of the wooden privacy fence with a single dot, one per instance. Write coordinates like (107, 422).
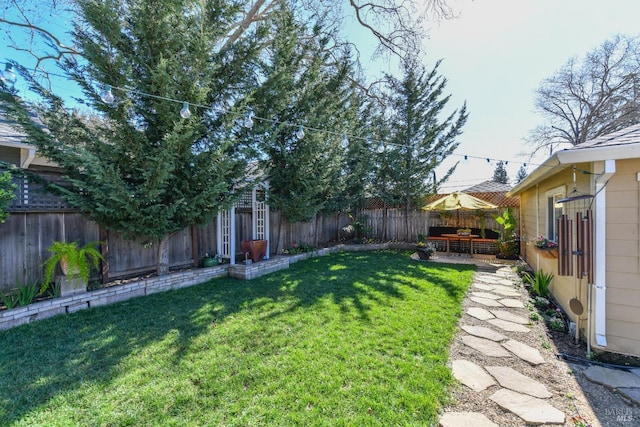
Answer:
(25, 237)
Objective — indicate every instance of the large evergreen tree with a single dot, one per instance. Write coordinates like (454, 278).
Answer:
(500, 173)
(522, 174)
(141, 168)
(6, 194)
(420, 139)
(302, 108)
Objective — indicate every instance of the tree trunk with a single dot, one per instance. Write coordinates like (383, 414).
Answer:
(162, 266)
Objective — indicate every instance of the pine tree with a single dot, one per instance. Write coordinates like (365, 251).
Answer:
(138, 167)
(418, 141)
(299, 95)
(6, 194)
(500, 173)
(522, 174)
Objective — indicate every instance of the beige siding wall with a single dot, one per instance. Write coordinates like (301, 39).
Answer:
(622, 250)
(623, 258)
(533, 205)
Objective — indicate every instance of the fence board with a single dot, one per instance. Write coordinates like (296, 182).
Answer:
(25, 237)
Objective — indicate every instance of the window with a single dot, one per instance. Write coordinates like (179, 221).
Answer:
(554, 211)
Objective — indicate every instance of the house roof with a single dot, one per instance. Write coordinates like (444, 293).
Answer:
(622, 144)
(9, 135)
(488, 187)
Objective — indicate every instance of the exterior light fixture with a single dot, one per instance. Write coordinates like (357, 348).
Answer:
(300, 133)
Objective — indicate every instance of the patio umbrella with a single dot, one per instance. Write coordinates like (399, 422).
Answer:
(456, 201)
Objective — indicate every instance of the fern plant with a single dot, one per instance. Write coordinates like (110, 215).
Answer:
(75, 261)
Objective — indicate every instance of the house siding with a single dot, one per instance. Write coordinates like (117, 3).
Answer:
(622, 250)
(623, 258)
(533, 204)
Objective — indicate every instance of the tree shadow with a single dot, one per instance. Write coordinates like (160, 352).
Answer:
(42, 360)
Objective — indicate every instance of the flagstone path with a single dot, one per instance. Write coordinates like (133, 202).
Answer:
(508, 372)
(497, 305)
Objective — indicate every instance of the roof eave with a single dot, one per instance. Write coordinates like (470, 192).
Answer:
(551, 166)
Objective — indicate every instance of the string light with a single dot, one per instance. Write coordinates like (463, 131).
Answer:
(107, 96)
(345, 141)
(300, 133)
(184, 112)
(248, 122)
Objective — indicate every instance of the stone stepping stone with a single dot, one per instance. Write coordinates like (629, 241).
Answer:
(487, 278)
(482, 332)
(505, 291)
(508, 326)
(511, 303)
(487, 295)
(507, 271)
(457, 419)
(486, 302)
(514, 380)
(524, 352)
(531, 409)
(471, 375)
(486, 347)
(483, 286)
(479, 313)
(506, 282)
(510, 317)
(612, 378)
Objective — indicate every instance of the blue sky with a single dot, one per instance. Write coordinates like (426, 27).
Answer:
(497, 53)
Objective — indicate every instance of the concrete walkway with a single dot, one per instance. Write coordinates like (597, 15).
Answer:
(495, 303)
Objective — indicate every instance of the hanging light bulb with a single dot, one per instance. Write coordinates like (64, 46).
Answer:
(8, 75)
(466, 160)
(184, 112)
(300, 133)
(107, 96)
(248, 120)
(381, 148)
(345, 141)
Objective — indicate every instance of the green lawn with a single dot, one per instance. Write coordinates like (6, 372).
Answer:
(357, 339)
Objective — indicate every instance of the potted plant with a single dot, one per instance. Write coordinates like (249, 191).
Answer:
(210, 261)
(425, 249)
(75, 261)
(545, 247)
(507, 245)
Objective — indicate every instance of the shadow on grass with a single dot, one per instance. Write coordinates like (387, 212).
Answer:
(55, 356)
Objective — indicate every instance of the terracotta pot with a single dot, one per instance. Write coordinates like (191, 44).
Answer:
(256, 249)
(66, 270)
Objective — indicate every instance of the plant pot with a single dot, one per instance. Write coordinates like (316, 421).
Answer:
(209, 262)
(424, 254)
(549, 253)
(255, 250)
(67, 269)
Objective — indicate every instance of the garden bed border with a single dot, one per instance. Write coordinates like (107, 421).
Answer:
(181, 279)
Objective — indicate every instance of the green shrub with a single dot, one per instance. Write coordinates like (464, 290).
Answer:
(539, 282)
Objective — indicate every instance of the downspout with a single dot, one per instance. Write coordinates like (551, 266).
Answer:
(600, 262)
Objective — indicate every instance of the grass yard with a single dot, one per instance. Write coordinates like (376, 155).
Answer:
(357, 339)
